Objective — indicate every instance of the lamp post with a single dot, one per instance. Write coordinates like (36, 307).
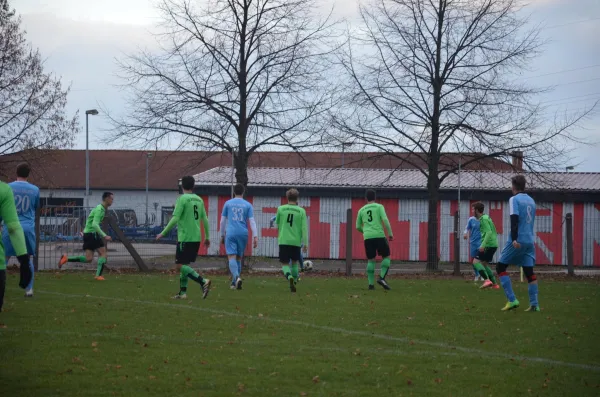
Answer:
(148, 157)
(93, 112)
(344, 144)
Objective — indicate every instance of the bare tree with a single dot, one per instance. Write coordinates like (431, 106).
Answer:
(434, 76)
(32, 103)
(232, 75)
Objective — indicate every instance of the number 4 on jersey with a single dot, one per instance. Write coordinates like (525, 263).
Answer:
(290, 219)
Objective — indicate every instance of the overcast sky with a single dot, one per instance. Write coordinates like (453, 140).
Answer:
(80, 40)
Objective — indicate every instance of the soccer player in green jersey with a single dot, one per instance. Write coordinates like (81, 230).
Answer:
(369, 222)
(189, 212)
(488, 247)
(93, 238)
(8, 214)
(292, 234)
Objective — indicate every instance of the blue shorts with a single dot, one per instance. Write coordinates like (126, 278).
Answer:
(236, 245)
(474, 250)
(29, 233)
(524, 256)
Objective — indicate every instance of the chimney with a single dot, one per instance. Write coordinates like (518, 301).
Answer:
(517, 160)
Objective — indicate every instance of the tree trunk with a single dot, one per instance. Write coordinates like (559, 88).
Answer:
(241, 168)
(433, 258)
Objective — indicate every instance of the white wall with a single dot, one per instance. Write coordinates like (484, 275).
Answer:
(125, 199)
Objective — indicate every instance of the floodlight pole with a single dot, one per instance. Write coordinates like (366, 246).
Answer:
(93, 112)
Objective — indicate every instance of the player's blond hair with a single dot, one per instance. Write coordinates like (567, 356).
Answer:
(292, 194)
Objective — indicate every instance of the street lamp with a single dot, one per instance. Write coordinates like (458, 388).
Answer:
(344, 144)
(93, 112)
(148, 157)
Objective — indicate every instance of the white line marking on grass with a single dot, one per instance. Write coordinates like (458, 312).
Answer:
(236, 341)
(440, 345)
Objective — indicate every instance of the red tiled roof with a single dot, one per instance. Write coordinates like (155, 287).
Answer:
(398, 179)
(126, 169)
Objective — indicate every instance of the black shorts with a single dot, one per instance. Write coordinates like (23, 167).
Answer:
(374, 246)
(92, 241)
(289, 252)
(487, 255)
(187, 252)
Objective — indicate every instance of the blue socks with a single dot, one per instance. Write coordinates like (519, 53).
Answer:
(507, 286)
(233, 268)
(533, 294)
(30, 285)
(239, 265)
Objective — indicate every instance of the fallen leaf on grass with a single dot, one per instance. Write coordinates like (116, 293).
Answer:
(251, 369)
(409, 382)
(316, 379)
(76, 360)
(242, 326)
(438, 380)
(152, 377)
(260, 315)
(240, 387)
(118, 367)
(273, 373)
(303, 393)
(96, 350)
(203, 362)
(94, 344)
(3, 326)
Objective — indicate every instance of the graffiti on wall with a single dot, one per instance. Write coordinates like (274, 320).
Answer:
(327, 228)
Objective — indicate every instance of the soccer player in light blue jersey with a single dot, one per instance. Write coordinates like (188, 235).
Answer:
(27, 201)
(520, 248)
(237, 215)
(472, 231)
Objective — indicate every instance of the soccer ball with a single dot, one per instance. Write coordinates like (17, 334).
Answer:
(308, 265)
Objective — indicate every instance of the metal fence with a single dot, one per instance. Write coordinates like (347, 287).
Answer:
(61, 231)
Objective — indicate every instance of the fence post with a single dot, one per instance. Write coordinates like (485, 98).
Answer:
(37, 240)
(349, 228)
(569, 221)
(134, 254)
(456, 245)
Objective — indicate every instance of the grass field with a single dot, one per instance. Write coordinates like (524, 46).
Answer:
(426, 337)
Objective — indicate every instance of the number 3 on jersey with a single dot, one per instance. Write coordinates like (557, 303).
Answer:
(370, 213)
(290, 219)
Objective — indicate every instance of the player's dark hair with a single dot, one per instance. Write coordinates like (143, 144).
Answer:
(479, 207)
(519, 182)
(292, 194)
(370, 195)
(187, 182)
(23, 170)
(238, 189)
(106, 195)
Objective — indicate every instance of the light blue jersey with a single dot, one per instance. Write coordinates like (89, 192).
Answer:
(524, 206)
(475, 233)
(237, 213)
(27, 200)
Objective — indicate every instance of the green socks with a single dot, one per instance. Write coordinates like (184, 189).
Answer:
(481, 270)
(385, 266)
(295, 271)
(183, 281)
(100, 266)
(77, 259)
(371, 272)
(286, 271)
(490, 274)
